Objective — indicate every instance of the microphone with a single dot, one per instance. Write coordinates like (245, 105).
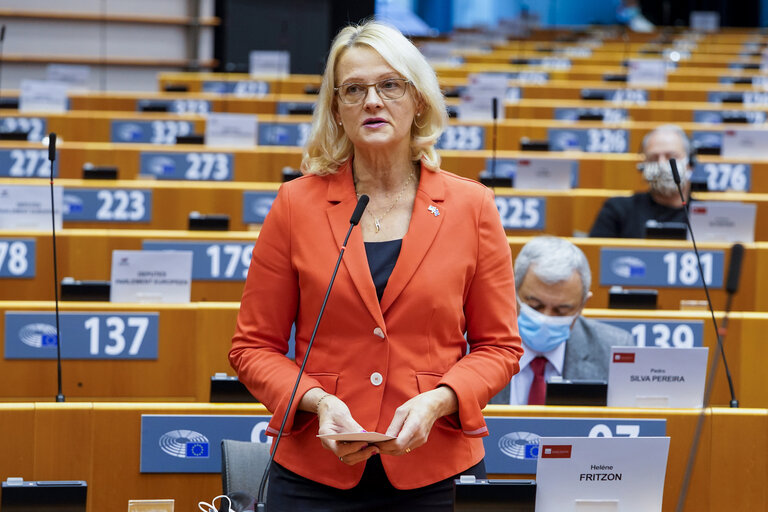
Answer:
(2, 39)
(734, 269)
(494, 111)
(52, 158)
(354, 220)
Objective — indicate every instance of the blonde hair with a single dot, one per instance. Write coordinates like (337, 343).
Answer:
(328, 145)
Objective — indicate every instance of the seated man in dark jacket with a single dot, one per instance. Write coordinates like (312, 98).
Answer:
(626, 217)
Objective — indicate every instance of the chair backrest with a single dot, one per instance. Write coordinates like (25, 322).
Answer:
(242, 466)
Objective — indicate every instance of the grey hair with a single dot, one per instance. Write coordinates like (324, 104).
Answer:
(553, 260)
(670, 128)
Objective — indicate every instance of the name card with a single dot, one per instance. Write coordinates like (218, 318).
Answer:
(193, 166)
(664, 268)
(107, 205)
(723, 176)
(527, 213)
(256, 205)
(745, 144)
(211, 261)
(476, 102)
(76, 77)
(17, 257)
(276, 63)
(609, 115)
(26, 163)
(508, 168)
(179, 106)
(652, 377)
(651, 72)
(591, 140)
(43, 96)
(462, 137)
(601, 474)
(159, 131)
(28, 207)
(237, 88)
(34, 127)
(231, 130)
(151, 276)
(91, 335)
(189, 443)
(662, 333)
(284, 134)
(723, 221)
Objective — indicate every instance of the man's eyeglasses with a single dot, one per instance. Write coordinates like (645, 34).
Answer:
(387, 89)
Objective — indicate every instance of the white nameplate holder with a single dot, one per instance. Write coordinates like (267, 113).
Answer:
(43, 96)
(657, 377)
(476, 102)
(151, 276)
(745, 144)
(723, 221)
(601, 474)
(76, 76)
(543, 174)
(28, 207)
(647, 72)
(232, 130)
(269, 63)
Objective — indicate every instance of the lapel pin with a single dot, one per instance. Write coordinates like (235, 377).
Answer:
(433, 210)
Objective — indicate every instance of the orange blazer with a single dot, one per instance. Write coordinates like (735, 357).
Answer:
(453, 276)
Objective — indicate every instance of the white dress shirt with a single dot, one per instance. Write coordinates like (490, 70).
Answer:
(520, 385)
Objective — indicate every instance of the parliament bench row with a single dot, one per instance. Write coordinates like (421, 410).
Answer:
(169, 352)
(38, 443)
(221, 260)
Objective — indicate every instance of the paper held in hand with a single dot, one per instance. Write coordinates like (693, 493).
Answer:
(368, 437)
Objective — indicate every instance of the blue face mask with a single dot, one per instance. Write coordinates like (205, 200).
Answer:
(542, 332)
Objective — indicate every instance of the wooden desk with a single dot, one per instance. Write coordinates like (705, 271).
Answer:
(37, 444)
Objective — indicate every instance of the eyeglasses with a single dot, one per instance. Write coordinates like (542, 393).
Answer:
(387, 89)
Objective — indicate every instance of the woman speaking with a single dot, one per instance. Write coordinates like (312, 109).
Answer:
(428, 272)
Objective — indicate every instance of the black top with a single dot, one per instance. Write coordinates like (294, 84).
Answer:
(382, 257)
(625, 217)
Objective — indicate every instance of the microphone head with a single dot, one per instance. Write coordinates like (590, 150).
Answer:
(734, 268)
(2, 33)
(495, 107)
(51, 146)
(675, 173)
(362, 202)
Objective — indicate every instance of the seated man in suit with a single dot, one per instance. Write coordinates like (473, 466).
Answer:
(626, 217)
(552, 279)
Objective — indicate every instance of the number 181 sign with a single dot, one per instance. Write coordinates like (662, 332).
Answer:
(670, 268)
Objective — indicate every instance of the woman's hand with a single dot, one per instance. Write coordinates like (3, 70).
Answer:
(414, 419)
(334, 417)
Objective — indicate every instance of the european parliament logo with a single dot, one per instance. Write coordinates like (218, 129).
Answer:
(185, 444)
(628, 266)
(38, 335)
(520, 445)
(161, 166)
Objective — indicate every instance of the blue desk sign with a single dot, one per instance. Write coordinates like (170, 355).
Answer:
(256, 205)
(723, 176)
(107, 205)
(17, 257)
(518, 212)
(664, 268)
(529, 77)
(507, 168)
(159, 131)
(662, 333)
(211, 261)
(624, 96)
(285, 108)
(178, 106)
(238, 88)
(26, 163)
(512, 445)
(747, 97)
(35, 127)
(193, 166)
(707, 139)
(32, 335)
(591, 140)
(610, 115)
(721, 116)
(191, 443)
(463, 137)
(283, 134)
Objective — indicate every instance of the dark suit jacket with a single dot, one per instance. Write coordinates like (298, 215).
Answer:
(453, 275)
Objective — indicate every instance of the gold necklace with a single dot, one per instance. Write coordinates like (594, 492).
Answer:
(377, 220)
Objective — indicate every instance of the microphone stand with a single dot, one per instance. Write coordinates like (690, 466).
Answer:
(494, 112)
(362, 202)
(52, 158)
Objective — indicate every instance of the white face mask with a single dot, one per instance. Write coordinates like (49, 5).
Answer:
(659, 175)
